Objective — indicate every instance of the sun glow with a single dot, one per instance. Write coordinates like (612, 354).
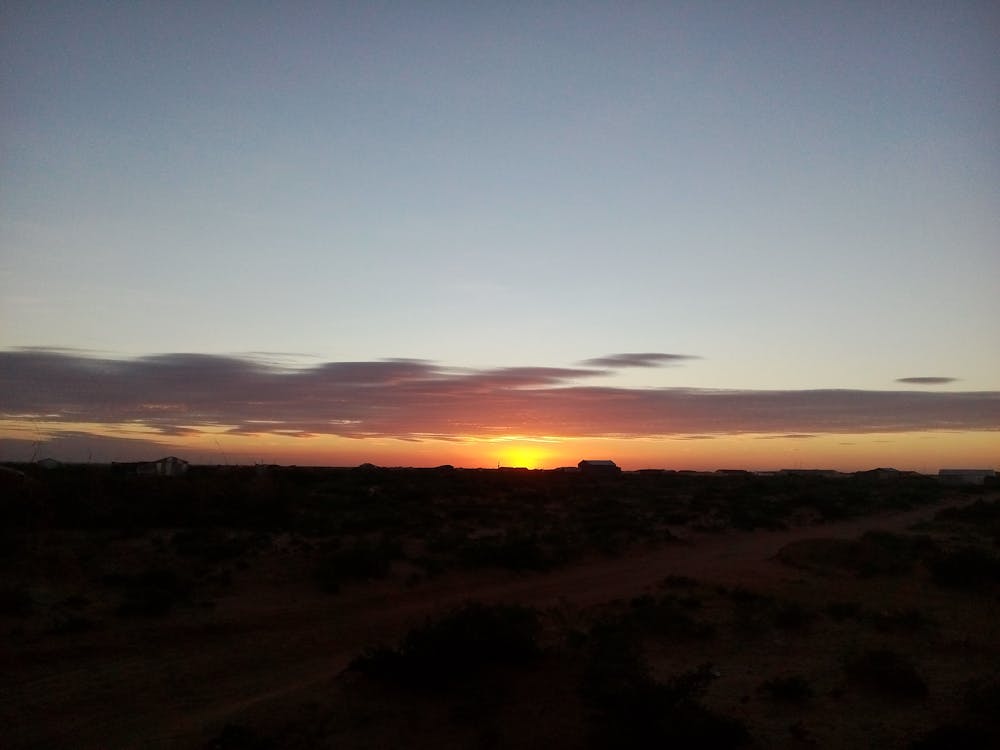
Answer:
(523, 457)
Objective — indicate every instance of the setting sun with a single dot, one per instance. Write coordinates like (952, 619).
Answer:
(523, 457)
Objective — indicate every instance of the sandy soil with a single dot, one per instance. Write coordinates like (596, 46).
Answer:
(174, 681)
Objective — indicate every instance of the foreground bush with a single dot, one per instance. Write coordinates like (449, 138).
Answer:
(152, 593)
(793, 689)
(461, 645)
(362, 561)
(966, 568)
(886, 672)
(629, 708)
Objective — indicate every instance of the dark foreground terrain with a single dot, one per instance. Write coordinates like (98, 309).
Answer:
(373, 608)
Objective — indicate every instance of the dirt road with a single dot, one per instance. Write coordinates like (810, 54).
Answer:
(174, 682)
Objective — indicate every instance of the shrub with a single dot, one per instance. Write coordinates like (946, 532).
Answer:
(239, 737)
(512, 551)
(360, 562)
(982, 697)
(15, 601)
(668, 616)
(214, 545)
(793, 688)
(676, 581)
(844, 610)
(152, 593)
(901, 620)
(793, 616)
(462, 644)
(628, 708)
(887, 672)
(966, 568)
(979, 512)
(952, 736)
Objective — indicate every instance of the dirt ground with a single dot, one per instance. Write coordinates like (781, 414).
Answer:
(275, 641)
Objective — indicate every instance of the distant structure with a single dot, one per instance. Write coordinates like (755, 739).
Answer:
(48, 463)
(827, 473)
(599, 467)
(965, 476)
(171, 466)
(884, 473)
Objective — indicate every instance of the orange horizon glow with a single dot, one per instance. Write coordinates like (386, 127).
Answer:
(917, 451)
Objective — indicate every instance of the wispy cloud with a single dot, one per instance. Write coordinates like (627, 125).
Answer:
(793, 436)
(927, 380)
(638, 359)
(179, 394)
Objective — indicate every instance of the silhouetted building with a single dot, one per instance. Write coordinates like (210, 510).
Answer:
(171, 466)
(599, 467)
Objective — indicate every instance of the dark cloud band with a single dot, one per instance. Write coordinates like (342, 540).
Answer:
(174, 394)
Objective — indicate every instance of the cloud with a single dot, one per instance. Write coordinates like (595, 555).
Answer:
(793, 436)
(173, 395)
(926, 380)
(638, 359)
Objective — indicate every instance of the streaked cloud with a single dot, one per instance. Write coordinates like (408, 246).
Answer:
(794, 436)
(177, 395)
(926, 380)
(638, 359)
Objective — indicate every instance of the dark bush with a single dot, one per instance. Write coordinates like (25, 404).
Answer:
(793, 616)
(965, 568)
(979, 512)
(69, 624)
(361, 561)
(982, 697)
(628, 708)
(512, 551)
(676, 581)
(150, 594)
(215, 545)
(844, 610)
(793, 688)
(460, 645)
(240, 737)
(901, 621)
(887, 672)
(15, 601)
(885, 553)
(668, 616)
(955, 737)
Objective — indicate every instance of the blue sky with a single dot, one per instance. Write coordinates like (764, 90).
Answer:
(801, 195)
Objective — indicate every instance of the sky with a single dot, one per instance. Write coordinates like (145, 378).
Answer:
(676, 235)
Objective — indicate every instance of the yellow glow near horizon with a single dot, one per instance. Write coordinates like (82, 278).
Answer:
(523, 457)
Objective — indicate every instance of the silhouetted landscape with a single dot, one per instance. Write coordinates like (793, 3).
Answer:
(273, 607)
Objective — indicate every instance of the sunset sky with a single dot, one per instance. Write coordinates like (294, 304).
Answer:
(687, 235)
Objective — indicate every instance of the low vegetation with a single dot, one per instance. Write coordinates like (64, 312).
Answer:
(890, 633)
